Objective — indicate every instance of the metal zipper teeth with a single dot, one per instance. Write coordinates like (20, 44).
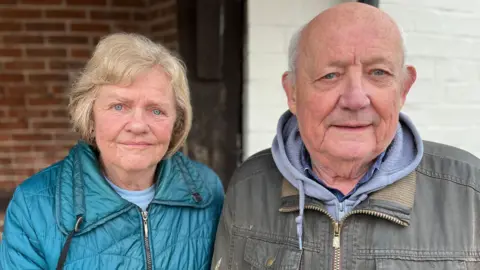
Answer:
(377, 214)
(337, 251)
(146, 239)
(365, 212)
(336, 259)
(336, 233)
(338, 225)
(336, 246)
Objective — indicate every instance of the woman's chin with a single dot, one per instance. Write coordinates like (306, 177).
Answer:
(135, 165)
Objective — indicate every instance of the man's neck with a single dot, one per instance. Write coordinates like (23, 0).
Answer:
(341, 175)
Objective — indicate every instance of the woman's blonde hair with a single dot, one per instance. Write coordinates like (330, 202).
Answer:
(118, 59)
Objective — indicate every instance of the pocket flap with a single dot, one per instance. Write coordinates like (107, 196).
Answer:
(386, 264)
(266, 255)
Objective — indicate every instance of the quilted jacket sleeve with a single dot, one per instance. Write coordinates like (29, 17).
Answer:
(19, 248)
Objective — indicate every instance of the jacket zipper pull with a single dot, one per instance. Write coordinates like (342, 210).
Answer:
(336, 235)
(145, 221)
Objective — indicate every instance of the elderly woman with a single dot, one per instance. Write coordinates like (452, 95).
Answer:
(123, 198)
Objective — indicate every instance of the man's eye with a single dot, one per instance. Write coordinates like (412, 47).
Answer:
(330, 76)
(157, 112)
(378, 72)
(118, 107)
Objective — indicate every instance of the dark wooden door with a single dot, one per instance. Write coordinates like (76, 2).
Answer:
(4, 199)
(211, 41)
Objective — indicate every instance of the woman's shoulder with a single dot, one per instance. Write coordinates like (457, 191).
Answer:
(43, 180)
(38, 191)
(200, 173)
(204, 170)
(35, 197)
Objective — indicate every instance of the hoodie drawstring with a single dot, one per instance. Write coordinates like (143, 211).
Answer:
(299, 218)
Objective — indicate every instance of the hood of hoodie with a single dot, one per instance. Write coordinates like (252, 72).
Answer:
(402, 157)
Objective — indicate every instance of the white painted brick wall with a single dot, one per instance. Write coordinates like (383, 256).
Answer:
(443, 42)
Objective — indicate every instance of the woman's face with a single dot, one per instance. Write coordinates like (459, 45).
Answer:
(134, 124)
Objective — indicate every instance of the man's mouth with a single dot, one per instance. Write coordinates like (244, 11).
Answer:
(353, 127)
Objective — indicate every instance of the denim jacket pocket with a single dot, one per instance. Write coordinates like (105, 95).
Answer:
(265, 255)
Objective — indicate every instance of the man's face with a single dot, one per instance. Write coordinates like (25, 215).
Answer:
(350, 86)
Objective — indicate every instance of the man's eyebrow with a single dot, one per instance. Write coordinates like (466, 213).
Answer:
(379, 60)
(338, 63)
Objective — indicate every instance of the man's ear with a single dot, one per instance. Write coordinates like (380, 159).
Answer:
(408, 80)
(288, 84)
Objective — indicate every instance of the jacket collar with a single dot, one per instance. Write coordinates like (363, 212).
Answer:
(395, 200)
(83, 192)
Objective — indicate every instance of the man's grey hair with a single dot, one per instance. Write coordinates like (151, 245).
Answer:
(293, 51)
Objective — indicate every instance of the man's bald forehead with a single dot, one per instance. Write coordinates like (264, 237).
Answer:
(351, 13)
(335, 21)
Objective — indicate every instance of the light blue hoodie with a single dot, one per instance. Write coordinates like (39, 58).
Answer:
(402, 157)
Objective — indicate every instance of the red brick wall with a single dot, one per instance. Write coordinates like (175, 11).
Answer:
(163, 22)
(43, 44)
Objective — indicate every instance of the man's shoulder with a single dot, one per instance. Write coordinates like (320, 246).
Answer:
(452, 153)
(255, 166)
(254, 192)
(451, 163)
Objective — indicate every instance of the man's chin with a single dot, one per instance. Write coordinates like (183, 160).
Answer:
(352, 150)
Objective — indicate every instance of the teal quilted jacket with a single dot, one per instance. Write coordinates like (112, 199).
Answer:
(176, 232)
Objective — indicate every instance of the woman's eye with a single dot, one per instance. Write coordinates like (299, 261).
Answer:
(157, 112)
(118, 107)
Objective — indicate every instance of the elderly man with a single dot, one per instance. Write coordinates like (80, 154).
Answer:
(348, 182)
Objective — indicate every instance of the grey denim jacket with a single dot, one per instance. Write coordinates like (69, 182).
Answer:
(428, 220)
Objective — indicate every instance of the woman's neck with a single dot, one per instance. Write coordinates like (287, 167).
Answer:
(136, 180)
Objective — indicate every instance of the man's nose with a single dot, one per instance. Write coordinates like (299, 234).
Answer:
(354, 96)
